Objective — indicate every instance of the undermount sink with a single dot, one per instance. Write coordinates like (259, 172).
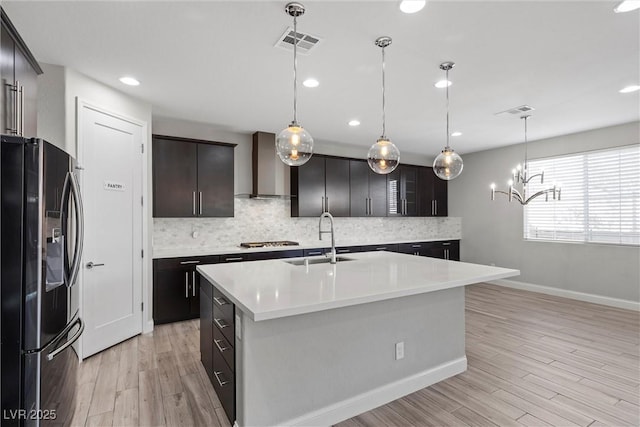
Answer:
(309, 261)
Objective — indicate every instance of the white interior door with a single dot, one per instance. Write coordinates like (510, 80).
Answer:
(111, 186)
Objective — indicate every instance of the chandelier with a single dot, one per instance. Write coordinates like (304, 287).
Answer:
(520, 175)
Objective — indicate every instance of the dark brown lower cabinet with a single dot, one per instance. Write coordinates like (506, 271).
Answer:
(217, 345)
(206, 326)
(447, 249)
(176, 287)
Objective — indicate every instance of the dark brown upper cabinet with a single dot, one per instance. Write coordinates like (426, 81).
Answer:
(432, 199)
(402, 191)
(320, 185)
(18, 71)
(368, 190)
(192, 178)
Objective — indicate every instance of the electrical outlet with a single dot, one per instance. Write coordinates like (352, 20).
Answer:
(400, 350)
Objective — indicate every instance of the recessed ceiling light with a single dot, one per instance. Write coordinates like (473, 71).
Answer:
(311, 83)
(442, 84)
(630, 89)
(412, 6)
(354, 123)
(456, 133)
(129, 81)
(627, 6)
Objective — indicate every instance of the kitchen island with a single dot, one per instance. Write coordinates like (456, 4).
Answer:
(317, 343)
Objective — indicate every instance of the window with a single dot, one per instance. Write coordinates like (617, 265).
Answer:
(600, 199)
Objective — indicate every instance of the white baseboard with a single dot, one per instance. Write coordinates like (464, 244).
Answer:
(351, 407)
(581, 296)
(147, 327)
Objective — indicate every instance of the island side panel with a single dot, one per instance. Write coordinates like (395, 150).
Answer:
(322, 367)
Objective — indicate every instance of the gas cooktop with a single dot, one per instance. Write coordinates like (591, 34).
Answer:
(268, 244)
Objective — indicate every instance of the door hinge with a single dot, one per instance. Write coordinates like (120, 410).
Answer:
(141, 306)
(142, 147)
(142, 253)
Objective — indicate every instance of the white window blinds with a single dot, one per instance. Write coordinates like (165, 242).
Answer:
(600, 199)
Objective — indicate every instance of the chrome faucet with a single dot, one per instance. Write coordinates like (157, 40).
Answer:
(333, 240)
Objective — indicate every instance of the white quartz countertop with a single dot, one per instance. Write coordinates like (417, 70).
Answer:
(180, 251)
(273, 289)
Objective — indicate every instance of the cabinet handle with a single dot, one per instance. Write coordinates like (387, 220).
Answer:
(186, 284)
(343, 251)
(327, 203)
(435, 202)
(366, 206)
(237, 258)
(433, 209)
(381, 248)
(220, 301)
(222, 349)
(194, 203)
(217, 375)
(323, 211)
(314, 253)
(446, 243)
(21, 90)
(189, 262)
(446, 254)
(200, 202)
(221, 323)
(370, 208)
(13, 120)
(416, 246)
(193, 282)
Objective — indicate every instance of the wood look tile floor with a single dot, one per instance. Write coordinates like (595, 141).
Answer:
(533, 360)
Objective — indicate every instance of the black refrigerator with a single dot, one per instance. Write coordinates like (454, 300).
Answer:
(41, 231)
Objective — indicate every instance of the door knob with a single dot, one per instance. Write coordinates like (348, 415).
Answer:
(91, 264)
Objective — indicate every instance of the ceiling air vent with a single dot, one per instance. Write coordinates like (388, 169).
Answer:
(306, 42)
(517, 110)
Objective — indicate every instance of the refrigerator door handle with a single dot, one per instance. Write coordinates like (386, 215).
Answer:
(69, 342)
(79, 211)
(71, 187)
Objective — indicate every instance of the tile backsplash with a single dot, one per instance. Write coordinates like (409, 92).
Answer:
(270, 219)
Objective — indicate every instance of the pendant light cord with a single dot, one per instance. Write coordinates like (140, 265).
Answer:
(384, 129)
(525, 146)
(295, 71)
(447, 91)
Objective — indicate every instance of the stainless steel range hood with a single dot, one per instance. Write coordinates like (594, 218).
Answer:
(271, 177)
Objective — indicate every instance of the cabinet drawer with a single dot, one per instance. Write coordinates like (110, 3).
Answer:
(222, 345)
(388, 248)
(184, 262)
(234, 258)
(257, 256)
(315, 252)
(223, 315)
(348, 249)
(224, 385)
(411, 248)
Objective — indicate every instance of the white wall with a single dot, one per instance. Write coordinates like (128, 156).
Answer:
(51, 111)
(58, 90)
(492, 232)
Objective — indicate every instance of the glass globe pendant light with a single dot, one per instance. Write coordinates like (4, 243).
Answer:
(294, 144)
(383, 156)
(448, 164)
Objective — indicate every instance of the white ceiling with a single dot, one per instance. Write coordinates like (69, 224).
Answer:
(215, 62)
